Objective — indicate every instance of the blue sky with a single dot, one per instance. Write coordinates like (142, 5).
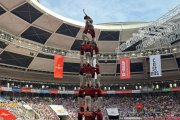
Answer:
(103, 11)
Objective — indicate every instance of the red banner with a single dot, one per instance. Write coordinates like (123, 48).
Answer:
(58, 66)
(6, 115)
(175, 89)
(104, 92)
(76, 92)
(25, 89)
(124, 92)
(124, 68)
(53, 91)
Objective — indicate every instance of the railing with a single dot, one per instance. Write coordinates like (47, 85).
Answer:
(8, 38)
(163, 22)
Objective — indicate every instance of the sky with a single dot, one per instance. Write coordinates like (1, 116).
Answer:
(104, 11)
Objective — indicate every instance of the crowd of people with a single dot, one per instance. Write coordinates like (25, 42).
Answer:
(154, 105)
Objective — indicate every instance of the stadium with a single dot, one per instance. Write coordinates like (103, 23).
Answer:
(56, 68)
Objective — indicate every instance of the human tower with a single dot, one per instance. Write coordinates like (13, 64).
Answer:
(90, 94)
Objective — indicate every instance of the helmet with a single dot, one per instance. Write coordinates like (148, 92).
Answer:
(87, 17)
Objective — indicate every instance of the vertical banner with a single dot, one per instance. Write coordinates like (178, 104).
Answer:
(58, 66)
(125, 68)
(155, 65)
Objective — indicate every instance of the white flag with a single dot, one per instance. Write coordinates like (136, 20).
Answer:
(155, 65)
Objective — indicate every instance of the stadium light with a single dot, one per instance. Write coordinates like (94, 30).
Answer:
(174, 49)
(157, 51)
(26, 86)
(109, 88)
(133, 54)
(170, 85)
(149, 52)
(8, 84)
(124, 87)
(174, 85)
(157, 86)
(166, 50)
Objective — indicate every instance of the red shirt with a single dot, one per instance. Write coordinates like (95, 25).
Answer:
(99, 116)
(88, 69)
(96, 50)
(88, 115)
(89, 91)
(82, 70)
(98, 92)
(92, 72)
(82, 49)
(80, 115)
(97, 70)
(94, 47)
(87, 48)
(81, 92)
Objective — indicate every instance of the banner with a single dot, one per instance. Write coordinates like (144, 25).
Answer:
(53, 91)
(112, 111)
(44, 91)
(6, 115)
(6, 88)
(155, 65)
(35, 90)
(124, 92)
(124, 68)
(26, 90)
(15, 89)
(58, 66)
(59, 110)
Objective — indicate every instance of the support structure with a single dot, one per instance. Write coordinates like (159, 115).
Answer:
(90, 93)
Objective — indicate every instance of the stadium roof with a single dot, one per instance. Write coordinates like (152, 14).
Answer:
(32, 22)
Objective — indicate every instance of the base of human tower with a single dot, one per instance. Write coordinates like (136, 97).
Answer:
(90, 100)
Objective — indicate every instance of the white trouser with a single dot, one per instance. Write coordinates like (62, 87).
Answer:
(82, 80)
(81, 60)
(85, 37)
(88, 58)
(97, 81)
(93, 83)
(80, 100)
(88, 102)
(88, 79)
